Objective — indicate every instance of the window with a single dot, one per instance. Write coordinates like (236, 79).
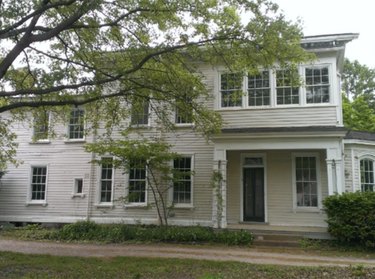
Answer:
(286, 92)
(259, 89)
(184, 111)
(106, 180)
(182, 184)
(137, 182)
(78, 185)
(317, 85)
(231, 90)
(367, 175)
(38, 183)
(76, 124)
(41, 125)
(140, 112)
(306, 181)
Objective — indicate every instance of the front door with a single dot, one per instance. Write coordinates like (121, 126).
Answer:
(253, 194)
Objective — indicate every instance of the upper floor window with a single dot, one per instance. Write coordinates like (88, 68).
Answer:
(76, 124)
(317, 85)
(367, 174)
(307, 85)
(259, 90)
(106, 180)
(287, 93)
(184, 111)
(140, 112)
(182, 186)
(41, 125)
(137, 182)
(231, 90)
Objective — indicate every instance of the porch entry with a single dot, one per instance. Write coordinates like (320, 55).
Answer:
(253, 189)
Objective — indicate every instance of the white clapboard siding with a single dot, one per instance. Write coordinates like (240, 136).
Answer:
(279, 190)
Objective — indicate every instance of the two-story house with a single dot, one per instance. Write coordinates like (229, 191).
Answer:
(282, 150)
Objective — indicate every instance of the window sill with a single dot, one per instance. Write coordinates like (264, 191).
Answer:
(308, 210)
(40, 142)
(135, 205)
(140, 126)
(104, 205)
(183, 206)
(74, 141)
(76, 195)
(184, 125)
(38, 203)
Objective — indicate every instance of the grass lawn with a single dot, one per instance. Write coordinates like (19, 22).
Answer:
(14, 265)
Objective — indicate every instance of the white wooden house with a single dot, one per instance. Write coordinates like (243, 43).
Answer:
(282, 150)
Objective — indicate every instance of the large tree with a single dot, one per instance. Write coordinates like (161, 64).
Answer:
(359, 80)
(106, 54)
(358, 85)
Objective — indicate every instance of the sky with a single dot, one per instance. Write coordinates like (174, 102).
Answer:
(337, 16)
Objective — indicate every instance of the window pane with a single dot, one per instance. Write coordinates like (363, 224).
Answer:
(317, 85)
(306, 181)
(38, 183)
(182, 180)
(367, 174)
(137, 181)
(231, 90)
(76, 124)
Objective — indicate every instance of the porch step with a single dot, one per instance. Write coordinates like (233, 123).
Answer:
(277, 240)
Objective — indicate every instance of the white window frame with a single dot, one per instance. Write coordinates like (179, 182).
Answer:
(68, 138)
(127, 185)
(186, 124)
(220, 95)
(99, 202)
(330, 76)
(273, 89)
(75, 188)
(171, 190)
(318, 181)
(45, 140)
(372, 159)
(30, 201)
(270, 77)
(136, 125)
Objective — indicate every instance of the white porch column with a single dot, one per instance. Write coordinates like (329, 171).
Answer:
(335, 171)
(219, 191)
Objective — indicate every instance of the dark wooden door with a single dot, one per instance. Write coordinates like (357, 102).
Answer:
(253, 194)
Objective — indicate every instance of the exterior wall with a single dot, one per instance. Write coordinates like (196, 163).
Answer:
(279, 189)
(68, 160)
(353, 154)
(65, 161)
(325, 114)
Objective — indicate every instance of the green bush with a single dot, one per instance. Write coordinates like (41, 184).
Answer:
(351, 217)
(116, 233)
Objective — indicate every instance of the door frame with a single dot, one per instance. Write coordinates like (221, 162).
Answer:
(243, 166)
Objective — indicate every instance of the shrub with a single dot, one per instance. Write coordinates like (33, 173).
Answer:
(351, 217)
(116, 233)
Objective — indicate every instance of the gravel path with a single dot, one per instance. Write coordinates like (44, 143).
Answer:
(248, 255)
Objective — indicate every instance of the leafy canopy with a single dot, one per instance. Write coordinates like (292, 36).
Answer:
(104, 54)
(358, 99)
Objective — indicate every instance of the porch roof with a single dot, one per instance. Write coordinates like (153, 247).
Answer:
(285, 129)
(360, 135)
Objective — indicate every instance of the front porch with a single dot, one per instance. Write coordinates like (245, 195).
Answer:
(276, 184)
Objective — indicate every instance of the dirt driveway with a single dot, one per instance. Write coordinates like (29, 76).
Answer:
(248, 255)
